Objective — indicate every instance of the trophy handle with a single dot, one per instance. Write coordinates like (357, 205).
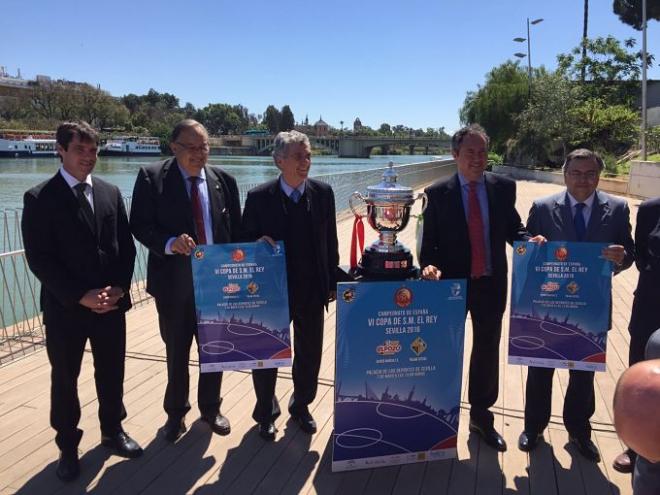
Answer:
(350, 202)
(425, 201)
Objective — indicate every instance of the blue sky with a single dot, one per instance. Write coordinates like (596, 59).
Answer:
(399, 62)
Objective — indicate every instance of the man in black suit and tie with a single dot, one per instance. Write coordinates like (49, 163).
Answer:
(180, 203)
(469, 219)
(301, 212)
(582, 214)
(645, 317)
(78, 244)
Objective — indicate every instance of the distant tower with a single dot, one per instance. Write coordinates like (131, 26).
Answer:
(306, 120)
(357, 125)
(320, 127)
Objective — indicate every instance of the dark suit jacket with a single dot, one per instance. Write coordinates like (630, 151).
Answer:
(647, 257)
(609, 222)
(445, 238)
(64, 253)
(161, 209)
(264, 214)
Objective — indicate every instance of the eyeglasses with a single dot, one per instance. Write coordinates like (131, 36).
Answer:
(576, 174)
(194, 149)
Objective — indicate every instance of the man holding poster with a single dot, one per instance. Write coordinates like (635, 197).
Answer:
(301, 212)
(582, 214)
(179, 204)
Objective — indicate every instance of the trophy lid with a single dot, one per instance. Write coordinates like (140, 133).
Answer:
(388, 188)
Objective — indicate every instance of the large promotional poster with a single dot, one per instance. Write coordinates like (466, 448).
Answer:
(560, 305)
(398, 372)
(242, 306)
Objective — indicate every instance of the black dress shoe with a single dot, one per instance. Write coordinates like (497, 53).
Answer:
(122, 444)
(528, 441)
(68, 467)
(173, 430)
(305, 421)
(267, 431)
(218, 423)
(586, 447)
(490, 436)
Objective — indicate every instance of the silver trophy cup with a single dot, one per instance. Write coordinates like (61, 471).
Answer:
(388, 207)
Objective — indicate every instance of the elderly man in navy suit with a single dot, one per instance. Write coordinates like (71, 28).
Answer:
(180, 203)
(580, 213)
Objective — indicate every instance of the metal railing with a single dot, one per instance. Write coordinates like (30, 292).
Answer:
(21, 326)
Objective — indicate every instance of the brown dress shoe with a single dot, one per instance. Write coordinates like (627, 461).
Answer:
(625, 461)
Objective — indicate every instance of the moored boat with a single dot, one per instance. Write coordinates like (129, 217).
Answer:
(131, 146)
(26, 144)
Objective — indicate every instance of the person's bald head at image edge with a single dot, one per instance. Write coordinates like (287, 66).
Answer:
(637, 402)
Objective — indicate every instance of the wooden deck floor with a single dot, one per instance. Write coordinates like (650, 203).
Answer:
(202, 463)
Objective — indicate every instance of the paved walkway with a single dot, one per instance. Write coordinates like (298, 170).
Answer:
(202, 463)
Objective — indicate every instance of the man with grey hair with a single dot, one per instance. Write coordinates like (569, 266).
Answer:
(301, 212)
(180, 203)
(578, 214)
(468, 222)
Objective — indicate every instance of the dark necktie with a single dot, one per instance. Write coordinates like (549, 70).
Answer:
(198, 215)
(295, 195)
(578, 221)
(476, 231)
(85, 207)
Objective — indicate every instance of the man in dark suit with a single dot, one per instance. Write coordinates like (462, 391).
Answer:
(582, 214)
(645, 317)
(469, 219)
(179, 203)
(78, 244)
(301, 212)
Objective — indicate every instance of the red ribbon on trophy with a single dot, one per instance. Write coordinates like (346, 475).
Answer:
(357, 238)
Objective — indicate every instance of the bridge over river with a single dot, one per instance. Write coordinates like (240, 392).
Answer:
(343, 146)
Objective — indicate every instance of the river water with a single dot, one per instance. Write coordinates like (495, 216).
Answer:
(18, 175)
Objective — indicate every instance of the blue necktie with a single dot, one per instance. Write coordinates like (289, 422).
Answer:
(578, 221)
(295, 195)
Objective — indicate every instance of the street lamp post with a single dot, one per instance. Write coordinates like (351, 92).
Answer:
(643, 140)
(529, 52)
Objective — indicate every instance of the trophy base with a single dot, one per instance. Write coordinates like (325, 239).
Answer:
(387, 266)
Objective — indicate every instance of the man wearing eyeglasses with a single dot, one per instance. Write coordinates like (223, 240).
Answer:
(180, 203)
(580, 213)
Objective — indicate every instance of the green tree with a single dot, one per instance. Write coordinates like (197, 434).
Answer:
(272, 119)
(546, 127)
(496, 104)
(385, 129)
(630, 11)
(287, 122)
(612, 70)
(604, 127)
